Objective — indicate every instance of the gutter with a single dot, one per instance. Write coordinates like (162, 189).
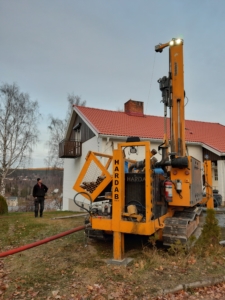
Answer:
(123, 137)
(217, 152)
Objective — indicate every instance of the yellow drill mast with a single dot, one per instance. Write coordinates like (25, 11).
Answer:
(173, 94)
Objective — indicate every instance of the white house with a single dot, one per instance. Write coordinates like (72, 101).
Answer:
(12, 201)
(100, 130)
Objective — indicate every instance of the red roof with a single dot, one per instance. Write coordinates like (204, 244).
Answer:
(119, 123)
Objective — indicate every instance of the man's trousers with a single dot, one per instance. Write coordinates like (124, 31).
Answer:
(39, 206)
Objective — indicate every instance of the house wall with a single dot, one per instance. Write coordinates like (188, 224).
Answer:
(72, 167)
(195, 151)
(221, 178)
(12, 202)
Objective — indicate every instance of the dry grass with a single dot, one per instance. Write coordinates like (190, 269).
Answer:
(68, 269)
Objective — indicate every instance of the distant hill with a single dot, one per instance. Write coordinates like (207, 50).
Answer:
(20, 183)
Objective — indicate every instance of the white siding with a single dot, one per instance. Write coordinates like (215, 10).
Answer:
(221, 178)
(72, 169)
(140, 154)
(195, 151)
(215, 179)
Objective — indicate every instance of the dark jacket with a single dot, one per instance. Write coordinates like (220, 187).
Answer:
(39, 191)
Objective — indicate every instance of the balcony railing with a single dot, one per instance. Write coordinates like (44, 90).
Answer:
(70, 149)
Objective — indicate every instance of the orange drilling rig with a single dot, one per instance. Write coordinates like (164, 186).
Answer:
(148, 196)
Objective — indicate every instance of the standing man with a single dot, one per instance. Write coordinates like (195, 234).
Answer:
(39, 191)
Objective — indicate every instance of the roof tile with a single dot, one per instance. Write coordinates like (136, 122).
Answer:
(119, 123)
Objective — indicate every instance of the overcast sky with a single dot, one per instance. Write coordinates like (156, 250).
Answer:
(103, 51)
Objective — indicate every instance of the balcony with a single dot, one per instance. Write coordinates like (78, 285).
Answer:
(70, 149)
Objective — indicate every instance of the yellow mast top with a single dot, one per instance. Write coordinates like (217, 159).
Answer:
(175, 99)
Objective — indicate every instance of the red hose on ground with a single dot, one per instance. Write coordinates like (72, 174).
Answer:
(44, 241)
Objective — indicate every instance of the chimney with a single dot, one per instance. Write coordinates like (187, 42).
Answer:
(134, 108)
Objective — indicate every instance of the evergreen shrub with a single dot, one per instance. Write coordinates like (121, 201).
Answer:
(3, 206)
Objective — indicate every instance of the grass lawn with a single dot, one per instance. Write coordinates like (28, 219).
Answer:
(68, 268)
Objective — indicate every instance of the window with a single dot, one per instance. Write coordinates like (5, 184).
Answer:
(77, 132)
(215, 174)
(77, 136)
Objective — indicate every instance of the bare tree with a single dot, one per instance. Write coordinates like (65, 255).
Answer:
(57, 199)
(18, 130)
(57, 128)
(74, 100)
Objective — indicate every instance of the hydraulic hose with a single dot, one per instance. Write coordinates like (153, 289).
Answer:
(81, 193)
(41, 242)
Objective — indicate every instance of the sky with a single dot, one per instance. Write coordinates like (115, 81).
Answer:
(104, 52)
